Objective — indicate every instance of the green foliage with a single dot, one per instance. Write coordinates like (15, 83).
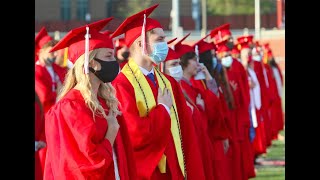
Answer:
(239, 7)
(132, 6)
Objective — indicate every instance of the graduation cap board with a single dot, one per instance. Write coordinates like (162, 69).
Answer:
(83, 39)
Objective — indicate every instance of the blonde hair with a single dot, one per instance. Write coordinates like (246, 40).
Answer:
(76, 76)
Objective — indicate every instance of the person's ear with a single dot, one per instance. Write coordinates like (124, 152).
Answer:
(139, 44)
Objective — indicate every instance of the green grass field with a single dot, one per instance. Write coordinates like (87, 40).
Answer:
(273, 172)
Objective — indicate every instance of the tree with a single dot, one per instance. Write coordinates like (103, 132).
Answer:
(229, 7)
(130, 7)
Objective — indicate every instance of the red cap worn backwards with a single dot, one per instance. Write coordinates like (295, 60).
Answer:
(137, 25)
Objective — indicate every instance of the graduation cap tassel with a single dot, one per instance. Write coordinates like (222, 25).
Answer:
(86, 52)
(143, 36)
(196, 49)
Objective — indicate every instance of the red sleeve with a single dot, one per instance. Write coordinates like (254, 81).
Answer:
(39, 123)
(43, 89)
(72, 148)
(216, 123)
(190, 142)
(150, 134)
(245, 85)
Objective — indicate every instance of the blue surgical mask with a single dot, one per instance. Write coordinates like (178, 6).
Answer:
(51, 60)
(176, 72)
(214, 62)
(160, 52)
(256, 58)
(226, 61)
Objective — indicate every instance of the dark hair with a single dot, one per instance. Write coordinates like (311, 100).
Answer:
(184, 60)
(206, 59)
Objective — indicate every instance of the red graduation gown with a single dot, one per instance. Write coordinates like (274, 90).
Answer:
(151, 135)
(43, 84)
(200, 121)
(241, 116)
(77, 147)
(265, 101)
(39, 136)
(216, 128)
(276, 115)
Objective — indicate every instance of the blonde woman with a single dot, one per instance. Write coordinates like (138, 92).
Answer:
(82, 131)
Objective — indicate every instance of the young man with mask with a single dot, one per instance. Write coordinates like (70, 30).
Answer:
(242, 161)
(153, 105)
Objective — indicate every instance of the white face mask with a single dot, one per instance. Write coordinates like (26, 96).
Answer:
(256, 58)
(226, 61)
(176, 72)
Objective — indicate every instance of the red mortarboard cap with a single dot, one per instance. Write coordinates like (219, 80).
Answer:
(236, 49)
(182, 49)
(269, 53)
(266, 46)
(107, 32)
(245, 41)
(203, 45)
(218, 33)
(120, 43)
(172, 55)
(171, 41)
(222, 47)
(42, 38)
(132, 26)
(75, 39)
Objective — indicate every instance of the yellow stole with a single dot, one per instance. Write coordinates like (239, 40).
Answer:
(136, 75)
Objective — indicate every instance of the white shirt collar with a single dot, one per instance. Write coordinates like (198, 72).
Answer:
(146, 72)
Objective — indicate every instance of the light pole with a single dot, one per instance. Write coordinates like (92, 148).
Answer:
(257, 18)
(175, 18)
(204, 18)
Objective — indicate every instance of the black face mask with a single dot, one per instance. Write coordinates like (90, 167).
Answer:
(125, 55)
(230, 45)
(51, 60)
(108, 72)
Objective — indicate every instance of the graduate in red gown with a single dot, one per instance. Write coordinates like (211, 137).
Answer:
(172, 67)
(275, 81)
(48, 76)
(40, 141)
(84, 139)
(217, 123)
(153, 106)
(243, 155)
(259, 141)
(264, 87)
